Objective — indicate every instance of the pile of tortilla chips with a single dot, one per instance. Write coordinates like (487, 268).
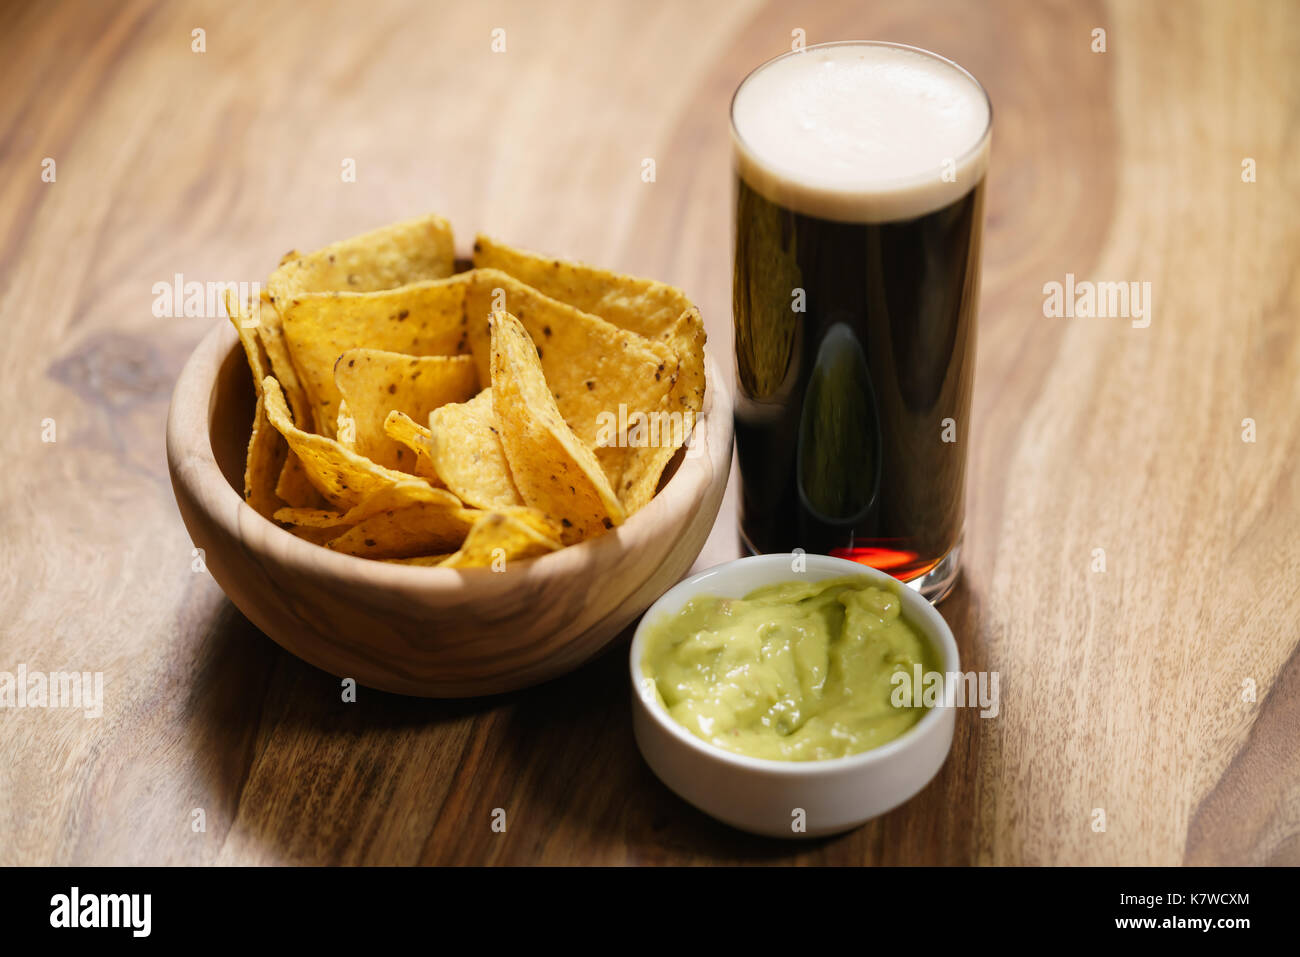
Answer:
(411, 413)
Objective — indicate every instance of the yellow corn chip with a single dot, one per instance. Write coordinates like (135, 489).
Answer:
(504, 536)
(600, 375)
(667, 431)
(245, 323)
(294, 488)
(656, 310)
(346, 428)
(383, 258)
(266, 452)
(552, 468)
(317, 536)
(399, 495)
(464, 446)
(401, 533)
(309, 517)
(401, 428)
(642, 305)
(556, 395)
(270, 332)
(422, 319)
(344, 478)
(373, 383)
(290, 486)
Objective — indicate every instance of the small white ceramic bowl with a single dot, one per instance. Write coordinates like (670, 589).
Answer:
(760, 795)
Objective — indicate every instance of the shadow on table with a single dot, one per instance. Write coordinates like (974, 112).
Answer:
(272, 738)
(604, 805)
(307, 778)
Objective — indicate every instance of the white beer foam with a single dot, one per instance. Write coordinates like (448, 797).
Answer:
(860, 132)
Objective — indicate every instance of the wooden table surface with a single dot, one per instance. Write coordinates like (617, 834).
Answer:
(1125, 692)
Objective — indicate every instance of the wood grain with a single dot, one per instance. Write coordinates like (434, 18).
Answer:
(446, 633)
(1121, 690)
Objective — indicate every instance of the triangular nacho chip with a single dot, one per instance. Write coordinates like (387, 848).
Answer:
(309, 517)
(400, 533)
(402, 428)
(245, 322)
(294, 488)
(598, 373)
(266, 452)
(644, 306)
(317, 536)
(344, 478)
(383, 258)
(552, 468)
(373, 383)
(464, 446)
(556, 396)
(400, 495)
(346, 427)
(653, 309)
(270, 332)
(671, 428)
(499, 537)
(422, 319)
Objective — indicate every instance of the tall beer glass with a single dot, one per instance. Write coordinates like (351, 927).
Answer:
(859, 210)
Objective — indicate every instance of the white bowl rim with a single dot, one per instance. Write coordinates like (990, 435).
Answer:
(194, 386)
(933, 625)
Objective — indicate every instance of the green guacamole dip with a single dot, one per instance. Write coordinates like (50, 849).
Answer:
(798, 671)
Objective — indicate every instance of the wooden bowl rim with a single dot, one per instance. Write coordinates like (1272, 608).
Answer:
(193, 465)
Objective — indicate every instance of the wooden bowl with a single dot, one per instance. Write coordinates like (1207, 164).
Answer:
(433, 632)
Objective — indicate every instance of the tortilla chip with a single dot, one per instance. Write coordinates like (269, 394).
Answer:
(499, 537)
(373, 383)
(400, 495)
(383, 258)
(669, 431)
(547, 423)
(317, 536)
(656, 310)
(414, 491)
(246, 323)
(401, 428)
(465, 450)
(266, 453)
(346, 427)
(644, 306)
(344, 478)
(423, 319)
(270, 332)
(552, 468)
(294, 488)
(290, 486)
(593, 368)
(309, 517)
(421, 529)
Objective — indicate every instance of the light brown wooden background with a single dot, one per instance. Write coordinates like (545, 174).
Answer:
(1121, 690)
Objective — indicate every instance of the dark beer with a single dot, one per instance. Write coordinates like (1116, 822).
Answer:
(854, 300)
